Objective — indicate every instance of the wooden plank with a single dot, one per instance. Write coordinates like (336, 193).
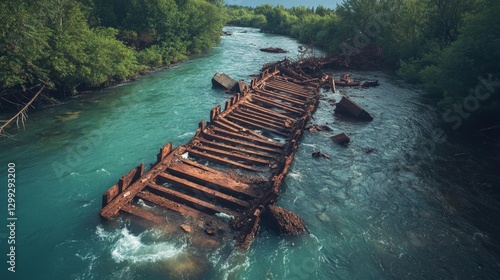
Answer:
(297, 82)
(332, 85)
(206, 191)
(291, 87)
(246, 137)
(138, 212)
(129, 178)
(253, 112)
(261, 121)
(213, 177)
(232, 155)
(224, 125)
(237, 149)
(213, 136)
(302, 85)
(222, 160)
(110, 194)
(240, 128)
(275, 104)
(164, 151)
(249, 231)
(280, 96)
(260, 117)
(172, 205)
(299, 91)
(197, 203)
(199, 166)
(296, 93)
(254, 123)
(265, 110)
(113, 207)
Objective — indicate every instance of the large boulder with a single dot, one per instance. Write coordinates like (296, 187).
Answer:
(286, 222)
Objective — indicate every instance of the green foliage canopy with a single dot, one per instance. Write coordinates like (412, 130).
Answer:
(71, 44)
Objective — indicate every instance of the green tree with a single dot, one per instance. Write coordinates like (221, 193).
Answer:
(23, 41)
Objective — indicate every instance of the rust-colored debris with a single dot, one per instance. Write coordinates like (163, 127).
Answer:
(347, 106)
(341, 139)
(320, 154)
(215, 187)
(370, 83)
(317, 127)
(286, 222)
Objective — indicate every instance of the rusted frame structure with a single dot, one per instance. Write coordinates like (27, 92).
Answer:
(222, 179)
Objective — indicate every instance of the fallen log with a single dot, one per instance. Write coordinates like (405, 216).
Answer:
(21, 115)
(273, 50)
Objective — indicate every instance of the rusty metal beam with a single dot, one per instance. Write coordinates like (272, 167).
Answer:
(196, 203)
(237, 149)
(265, 110)
(225, 139)
(281, 96)
(253, 112)
(232, 155)
(201, 190)
(141, 213)
(202, 174)
(243, 136)
(259, 117)
(172, 205)
(222, 160)
(275, 104)
(257, 124)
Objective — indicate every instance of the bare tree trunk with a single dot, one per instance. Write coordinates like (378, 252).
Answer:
(21, 116)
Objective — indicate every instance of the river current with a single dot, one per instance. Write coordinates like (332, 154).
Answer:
(394, 204)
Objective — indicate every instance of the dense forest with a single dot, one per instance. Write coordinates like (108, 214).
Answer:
(451, 48)
(74, 44)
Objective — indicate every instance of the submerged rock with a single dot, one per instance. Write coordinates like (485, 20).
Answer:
(323, 217)
(287, 222)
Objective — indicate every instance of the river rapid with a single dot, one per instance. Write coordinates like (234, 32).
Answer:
(394, 204)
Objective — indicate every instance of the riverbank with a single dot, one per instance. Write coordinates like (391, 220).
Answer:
(401, 211)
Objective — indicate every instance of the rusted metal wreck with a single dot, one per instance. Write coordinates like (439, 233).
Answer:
(216, 186)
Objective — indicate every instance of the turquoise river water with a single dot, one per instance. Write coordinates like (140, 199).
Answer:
(394, 204)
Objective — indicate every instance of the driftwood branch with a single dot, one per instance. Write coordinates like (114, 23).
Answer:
(21, 116)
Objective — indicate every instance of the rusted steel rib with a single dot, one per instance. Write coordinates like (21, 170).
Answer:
(232, 168)
(208, 176)
(207, 191)
(216, 137)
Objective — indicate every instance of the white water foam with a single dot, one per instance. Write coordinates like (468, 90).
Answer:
(103, 170)
(142, 203)
(127, 247)
(186, 135)
(88, 203)
(296, 175)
